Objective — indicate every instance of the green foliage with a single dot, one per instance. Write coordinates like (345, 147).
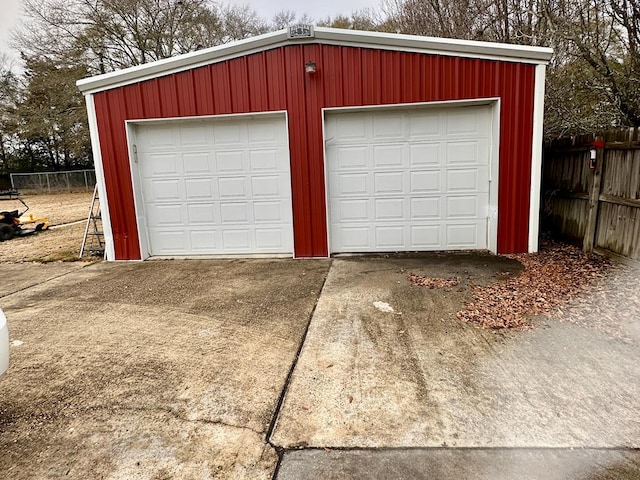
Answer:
(44, 125)
(9, 98)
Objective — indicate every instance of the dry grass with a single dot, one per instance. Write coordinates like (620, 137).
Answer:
(59, 244)
(58, 208)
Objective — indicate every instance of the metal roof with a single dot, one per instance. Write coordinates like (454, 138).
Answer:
(329, 36)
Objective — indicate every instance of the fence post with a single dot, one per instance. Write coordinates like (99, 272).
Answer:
(594, 198)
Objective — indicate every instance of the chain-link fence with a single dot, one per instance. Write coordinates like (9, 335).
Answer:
(53, 182)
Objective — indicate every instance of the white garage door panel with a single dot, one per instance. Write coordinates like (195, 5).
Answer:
(408, 180)
(216, 186)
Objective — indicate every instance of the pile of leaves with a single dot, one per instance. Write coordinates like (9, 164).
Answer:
(551, 277)
(434, 282)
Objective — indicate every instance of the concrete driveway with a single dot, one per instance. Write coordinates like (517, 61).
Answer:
(190, 370)
(406, 391)
(156, 370)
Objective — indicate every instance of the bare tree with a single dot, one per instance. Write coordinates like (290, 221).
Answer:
(510, 21)
(364, 19)
(284, 18)
(593, 78)
(113, 34)
(602, 36)
(436, 18)
(240, 22)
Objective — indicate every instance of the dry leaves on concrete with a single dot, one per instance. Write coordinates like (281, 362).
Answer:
(550, 278)
(434, 282)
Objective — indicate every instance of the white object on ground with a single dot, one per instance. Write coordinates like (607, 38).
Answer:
(383, 307)
(4, 344)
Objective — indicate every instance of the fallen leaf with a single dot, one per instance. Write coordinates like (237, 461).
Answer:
(550, 278)
(434, 282)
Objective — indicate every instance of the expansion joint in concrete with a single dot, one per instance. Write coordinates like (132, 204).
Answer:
(274, 420)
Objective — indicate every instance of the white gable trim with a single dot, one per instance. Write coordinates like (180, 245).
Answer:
(328, 36)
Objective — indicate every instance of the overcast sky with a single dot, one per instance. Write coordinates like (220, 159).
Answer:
(10, 13)
(317, 9)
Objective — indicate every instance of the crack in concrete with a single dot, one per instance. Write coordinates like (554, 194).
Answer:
(173, 413)
(225, 424)
(23, 289)
(453, 449)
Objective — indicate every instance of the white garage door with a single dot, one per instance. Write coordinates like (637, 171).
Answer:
(216, 186)
(408, 180)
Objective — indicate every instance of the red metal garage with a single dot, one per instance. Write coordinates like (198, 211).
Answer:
(333, 141)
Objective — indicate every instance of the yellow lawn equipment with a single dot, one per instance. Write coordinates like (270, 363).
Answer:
(14, 223)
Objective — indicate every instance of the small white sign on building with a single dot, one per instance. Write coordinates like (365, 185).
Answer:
(302, 30)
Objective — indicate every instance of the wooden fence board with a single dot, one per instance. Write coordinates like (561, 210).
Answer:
(569, 217)
(616, 228)
(570, 172)
(613, 221)
(622, 174)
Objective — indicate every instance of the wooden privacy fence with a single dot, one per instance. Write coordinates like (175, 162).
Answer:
(594, 202)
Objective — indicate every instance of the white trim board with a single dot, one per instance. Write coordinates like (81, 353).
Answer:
(100, 179)
(536, 158)
(329, 36)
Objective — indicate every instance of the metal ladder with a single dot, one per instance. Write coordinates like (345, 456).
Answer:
(93, 240)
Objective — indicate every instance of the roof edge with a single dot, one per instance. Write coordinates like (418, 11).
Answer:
(471, 48)
(387, 41)
(181, 62)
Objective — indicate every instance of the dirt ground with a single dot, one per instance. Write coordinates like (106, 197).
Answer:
(63, 241)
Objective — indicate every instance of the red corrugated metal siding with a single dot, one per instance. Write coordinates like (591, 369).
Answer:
(346, 76)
